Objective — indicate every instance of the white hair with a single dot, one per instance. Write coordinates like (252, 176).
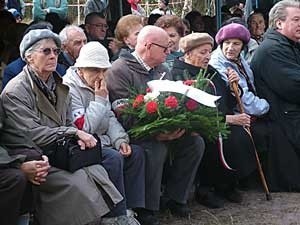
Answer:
(278, 11)
(63, 35)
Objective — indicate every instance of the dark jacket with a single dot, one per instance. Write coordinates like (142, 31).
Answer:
(276, 65)
(226, 103)
(127, 76)
(237, 147)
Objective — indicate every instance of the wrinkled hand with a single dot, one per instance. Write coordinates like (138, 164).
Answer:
(36, 171)
(232, 75)
(169, 136)
(100, 88)
(85, 140)
(239, 119)
(125, 149)
(113, 46)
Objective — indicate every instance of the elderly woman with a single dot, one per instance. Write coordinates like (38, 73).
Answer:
(92, 113)
(197, 49)
(231, 39)
(38, 114)
(126, 32)
(175, 28)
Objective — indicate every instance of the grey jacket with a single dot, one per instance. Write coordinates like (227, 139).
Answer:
(96, 111)
(95, 6)
(29, 113)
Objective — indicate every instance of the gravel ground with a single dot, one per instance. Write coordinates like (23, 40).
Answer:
(283, 209)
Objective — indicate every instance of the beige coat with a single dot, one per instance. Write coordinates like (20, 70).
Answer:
(65, 198)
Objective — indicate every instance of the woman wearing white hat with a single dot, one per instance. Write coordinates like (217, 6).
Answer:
(92, 113)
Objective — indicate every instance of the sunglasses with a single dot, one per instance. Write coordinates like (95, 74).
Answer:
(47, 51)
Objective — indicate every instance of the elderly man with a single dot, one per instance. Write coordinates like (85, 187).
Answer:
(134, 70)
(72, 39)
(276, 66)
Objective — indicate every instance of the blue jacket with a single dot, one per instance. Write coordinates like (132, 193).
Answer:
(15, 67)
(253, 105)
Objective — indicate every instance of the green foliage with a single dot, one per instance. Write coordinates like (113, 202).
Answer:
(182, 113)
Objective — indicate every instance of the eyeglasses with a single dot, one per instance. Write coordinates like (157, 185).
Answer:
(47, 51)
(166, 48)
(99, 25)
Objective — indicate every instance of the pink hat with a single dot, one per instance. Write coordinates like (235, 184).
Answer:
(233, 30)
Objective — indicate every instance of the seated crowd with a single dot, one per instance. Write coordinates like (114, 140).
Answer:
(64, 93)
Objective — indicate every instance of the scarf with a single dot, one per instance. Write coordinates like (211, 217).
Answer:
(48, 88)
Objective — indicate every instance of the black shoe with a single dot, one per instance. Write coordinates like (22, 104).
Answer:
(232, 195)
(178, 209)
(147, 217)
(209, 199)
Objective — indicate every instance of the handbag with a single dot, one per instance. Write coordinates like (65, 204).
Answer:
(66, 154)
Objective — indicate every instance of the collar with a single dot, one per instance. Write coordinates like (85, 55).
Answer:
(68, 58)
(141, 61)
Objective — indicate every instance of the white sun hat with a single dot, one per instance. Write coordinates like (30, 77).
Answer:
(93, 54)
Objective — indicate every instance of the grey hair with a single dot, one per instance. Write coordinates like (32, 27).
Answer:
(278, 11)
(63, 35)
(34, 48)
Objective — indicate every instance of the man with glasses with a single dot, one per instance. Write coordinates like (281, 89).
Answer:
(133, 71)
(95, 26)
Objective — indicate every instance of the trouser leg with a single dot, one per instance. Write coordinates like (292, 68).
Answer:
(113, 163)
(155, 153)
(186, 154)
(134, 178)
(12, 187)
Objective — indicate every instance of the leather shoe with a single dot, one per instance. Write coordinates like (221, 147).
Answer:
(178, 209)
(233, 196)
(147, 217)
(209, 199)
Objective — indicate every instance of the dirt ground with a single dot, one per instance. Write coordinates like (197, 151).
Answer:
(283, 209)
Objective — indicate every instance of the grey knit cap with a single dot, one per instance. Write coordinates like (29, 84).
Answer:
(34, 36)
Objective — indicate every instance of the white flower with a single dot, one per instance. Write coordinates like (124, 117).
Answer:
(151, 96)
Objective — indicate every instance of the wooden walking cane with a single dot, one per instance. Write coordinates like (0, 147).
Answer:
(261, 173)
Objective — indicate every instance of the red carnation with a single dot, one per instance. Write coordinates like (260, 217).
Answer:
(189, 82)
(171, 102)
(151, 107)
(191, 105)
(138, 101)
(148, 90)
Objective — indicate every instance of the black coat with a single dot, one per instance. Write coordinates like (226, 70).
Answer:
(237, 147)
(276, 67)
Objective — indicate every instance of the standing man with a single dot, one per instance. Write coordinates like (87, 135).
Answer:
(133, 71)
(72, 38)
(276, 66)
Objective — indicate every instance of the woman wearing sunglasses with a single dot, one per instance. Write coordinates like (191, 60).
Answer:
(37, 114)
